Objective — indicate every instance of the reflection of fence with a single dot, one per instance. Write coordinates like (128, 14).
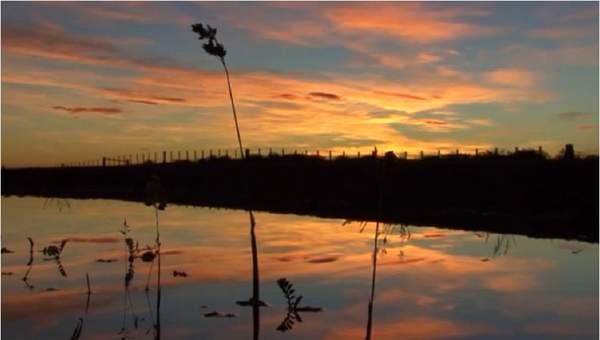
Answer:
(198, 155)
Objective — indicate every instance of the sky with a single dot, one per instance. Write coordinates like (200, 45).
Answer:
(82, 80)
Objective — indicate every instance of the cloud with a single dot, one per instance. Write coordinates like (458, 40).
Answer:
(407, 21)
(103, 110)
(574, 115)
(568, 55)
(428, 57)
(340, 23)
(401, 95)
(324, 95)
(587, 127)
(562, 33)
(65, 46)
(511, 77)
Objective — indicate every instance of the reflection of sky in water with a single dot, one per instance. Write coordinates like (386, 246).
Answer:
(438, 284)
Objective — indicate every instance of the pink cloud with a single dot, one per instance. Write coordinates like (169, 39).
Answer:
(511, 77)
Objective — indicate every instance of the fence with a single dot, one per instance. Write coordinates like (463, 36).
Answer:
(198, 155)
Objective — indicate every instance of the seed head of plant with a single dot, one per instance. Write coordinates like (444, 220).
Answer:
(212, 47)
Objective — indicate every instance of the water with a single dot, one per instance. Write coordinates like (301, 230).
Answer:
(429, 282)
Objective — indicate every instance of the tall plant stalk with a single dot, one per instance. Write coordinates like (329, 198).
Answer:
(237, 126)
(213, 47)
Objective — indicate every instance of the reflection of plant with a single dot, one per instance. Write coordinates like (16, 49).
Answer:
(53, 252)
(29, 265)
(401, 230)
(504, 243)
(288, 291)
(293, 309)
(77, 331)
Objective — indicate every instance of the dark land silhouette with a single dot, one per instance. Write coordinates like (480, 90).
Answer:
(521, 193)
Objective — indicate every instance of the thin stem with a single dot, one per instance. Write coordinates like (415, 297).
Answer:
(237, 127)
(373, 274)
(255, 280)
(157, 231)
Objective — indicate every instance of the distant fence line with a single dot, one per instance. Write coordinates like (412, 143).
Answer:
(197, 155)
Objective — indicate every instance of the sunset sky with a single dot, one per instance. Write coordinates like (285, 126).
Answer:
(83, 80)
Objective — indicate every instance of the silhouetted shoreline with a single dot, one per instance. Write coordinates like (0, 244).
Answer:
(530, 195)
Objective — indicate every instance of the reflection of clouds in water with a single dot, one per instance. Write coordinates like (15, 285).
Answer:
(416, 295)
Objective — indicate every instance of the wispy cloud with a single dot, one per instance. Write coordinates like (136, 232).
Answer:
(512, 77)
(324, 95)
(574, 115)
(102, 110)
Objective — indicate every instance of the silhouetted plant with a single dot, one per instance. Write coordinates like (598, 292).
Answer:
(213, 47)
(54, 252)
(25, 278)
(77, 331)
(293, 309)
(288, 291)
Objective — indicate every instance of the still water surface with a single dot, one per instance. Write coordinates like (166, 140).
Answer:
(425, 282)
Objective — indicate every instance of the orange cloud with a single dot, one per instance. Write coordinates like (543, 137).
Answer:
(409, 21)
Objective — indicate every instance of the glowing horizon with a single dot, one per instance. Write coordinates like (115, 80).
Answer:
(86, 80)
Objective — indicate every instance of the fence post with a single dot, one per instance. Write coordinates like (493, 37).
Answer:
(421, 154)
(187, 155)
(540, 151)
(476, 152)
(495, 151)
(457, 152)
(329, 154)
(305, 152)
(259, 151)
(178, 155)
(516, 149)
(247, 153)
(270, 151)
(137, 158)
(103, 161)
(282, 151)
(234, 153)
(344, 153)
(358, 154)
(405, 155)
(317, 153)
(226, 153)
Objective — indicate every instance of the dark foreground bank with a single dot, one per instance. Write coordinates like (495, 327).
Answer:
(533, 196)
